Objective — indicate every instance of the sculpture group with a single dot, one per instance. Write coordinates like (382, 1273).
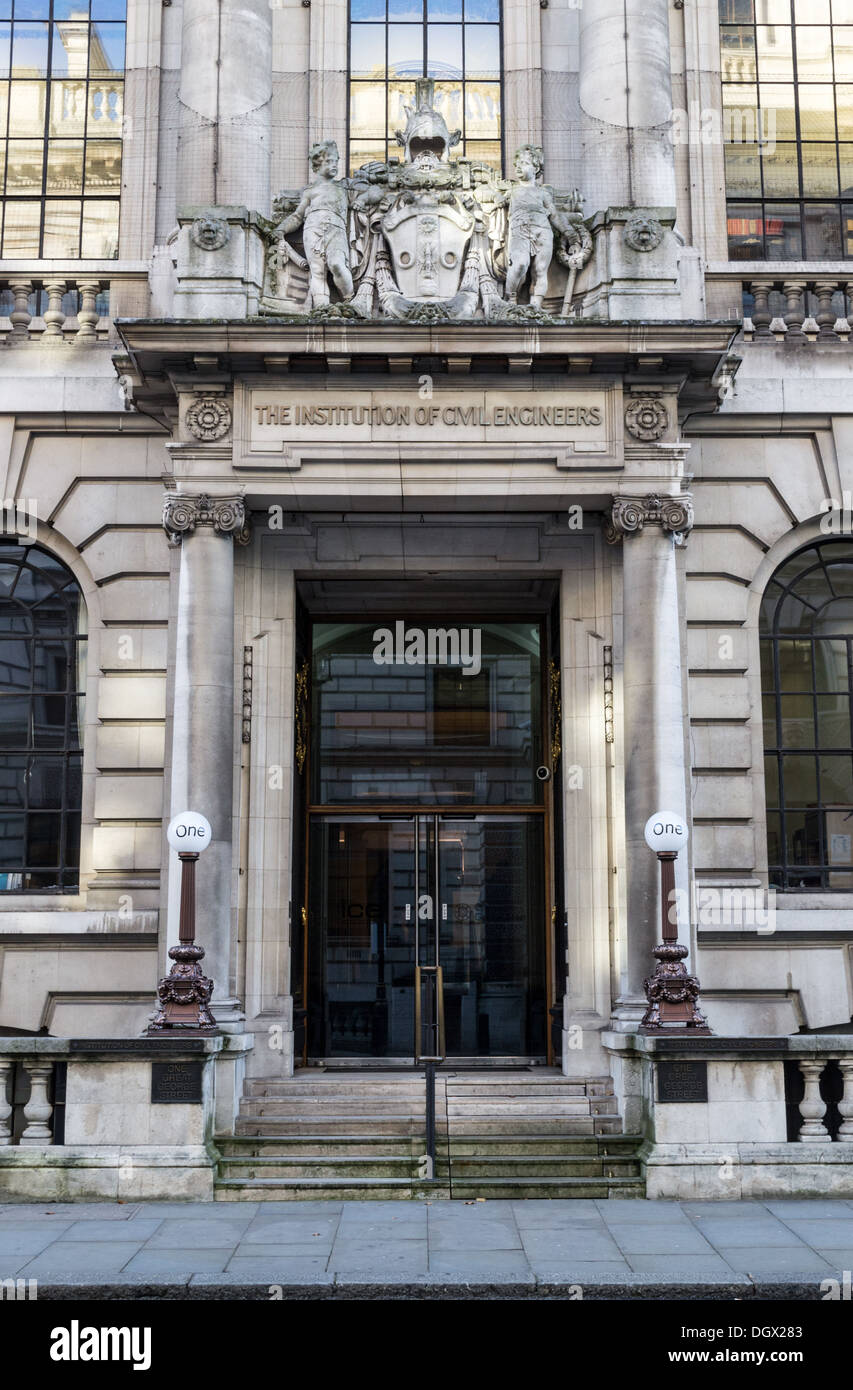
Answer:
(423, 239)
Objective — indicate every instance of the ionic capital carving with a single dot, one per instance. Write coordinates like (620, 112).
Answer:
(629, 516)
(227, 516)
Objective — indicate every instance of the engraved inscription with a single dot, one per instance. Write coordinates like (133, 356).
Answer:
(682, 1083)
(176, 1083)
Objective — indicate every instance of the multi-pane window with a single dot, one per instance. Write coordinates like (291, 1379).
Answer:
(455, 42)
(788, 128)
(61, 112)
(806, 669)
(42, 684)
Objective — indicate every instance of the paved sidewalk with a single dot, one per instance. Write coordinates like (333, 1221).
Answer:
(525, 1249)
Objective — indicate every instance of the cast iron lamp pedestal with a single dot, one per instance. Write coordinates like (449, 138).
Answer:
(185, 992)
(673, 995)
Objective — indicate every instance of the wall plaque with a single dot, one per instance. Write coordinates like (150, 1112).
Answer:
(682, 1083)
(176, 1083)
(579, 424)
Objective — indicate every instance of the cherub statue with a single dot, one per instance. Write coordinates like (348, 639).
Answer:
(322, 213)
(533, 218)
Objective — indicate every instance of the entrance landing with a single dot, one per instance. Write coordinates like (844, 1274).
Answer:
(358, 1135)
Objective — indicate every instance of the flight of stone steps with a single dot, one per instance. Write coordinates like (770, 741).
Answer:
(360, 1135)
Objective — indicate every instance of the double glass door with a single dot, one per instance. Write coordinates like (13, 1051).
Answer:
(435, 888)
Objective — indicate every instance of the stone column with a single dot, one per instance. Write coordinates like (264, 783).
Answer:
(626, 105)
(225, 103)
(206, 528)
(654, 714)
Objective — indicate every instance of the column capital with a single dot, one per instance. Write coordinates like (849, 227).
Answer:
(183, 512)
(629, 515)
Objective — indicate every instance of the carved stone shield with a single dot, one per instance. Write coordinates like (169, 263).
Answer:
(427, 240)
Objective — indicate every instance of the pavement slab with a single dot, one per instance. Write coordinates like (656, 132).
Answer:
(621, 1245)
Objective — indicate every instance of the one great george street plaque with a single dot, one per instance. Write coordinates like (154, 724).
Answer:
(682, 1083)
(176, 1083)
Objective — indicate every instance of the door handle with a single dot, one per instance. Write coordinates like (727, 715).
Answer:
(444, 912)
(408, 916)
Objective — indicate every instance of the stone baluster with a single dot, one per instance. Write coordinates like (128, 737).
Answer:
(87, 314)
(20, 316)
(795, 313)
(6, 1069)
(825, 316)
(761, 315)
(842, 323)
(813, 1106)
(54, 316)
(845, 1105)
(38, 1109)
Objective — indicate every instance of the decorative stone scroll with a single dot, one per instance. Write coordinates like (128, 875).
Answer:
(424, 239)
(227, 515)
(629, 515)
(208, 418)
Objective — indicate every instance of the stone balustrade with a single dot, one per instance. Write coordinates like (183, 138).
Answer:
(815, 1110)
(797, 309)
(68, 307)
(28, 1122)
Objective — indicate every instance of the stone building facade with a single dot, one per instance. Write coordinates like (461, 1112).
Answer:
(255, 447)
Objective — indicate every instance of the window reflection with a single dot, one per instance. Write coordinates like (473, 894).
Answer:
(412, 732)
(66, 93)
(799, 56)
(806, 664)
(42, 684)
(456, 42)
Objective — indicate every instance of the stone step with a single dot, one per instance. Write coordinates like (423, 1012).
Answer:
(460, 1170)
(404, 1189)
(493, 1189)
(548, 1145)
(483, 1145)
(310, 1145)
(325, 1189)
(367, 1126)
(468, 1128)
(332, 1105)
(320, 1166)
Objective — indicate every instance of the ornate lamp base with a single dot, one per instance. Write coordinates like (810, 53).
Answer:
(184, 995)
(672, 994)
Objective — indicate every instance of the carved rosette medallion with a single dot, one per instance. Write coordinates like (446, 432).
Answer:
(643, 233)
(210, 233)
(208, 418)
(647, 419)
(629, 515)
(226, 515)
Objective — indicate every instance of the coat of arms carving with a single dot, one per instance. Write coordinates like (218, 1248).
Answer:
(424, 238)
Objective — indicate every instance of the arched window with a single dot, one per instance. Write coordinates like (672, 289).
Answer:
(806, 655)
(456, 42)
(42, 686)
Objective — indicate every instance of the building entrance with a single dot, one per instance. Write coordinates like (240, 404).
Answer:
(427, 836)
(437, 888)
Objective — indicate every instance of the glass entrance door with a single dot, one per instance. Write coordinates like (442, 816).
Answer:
(390, 891)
